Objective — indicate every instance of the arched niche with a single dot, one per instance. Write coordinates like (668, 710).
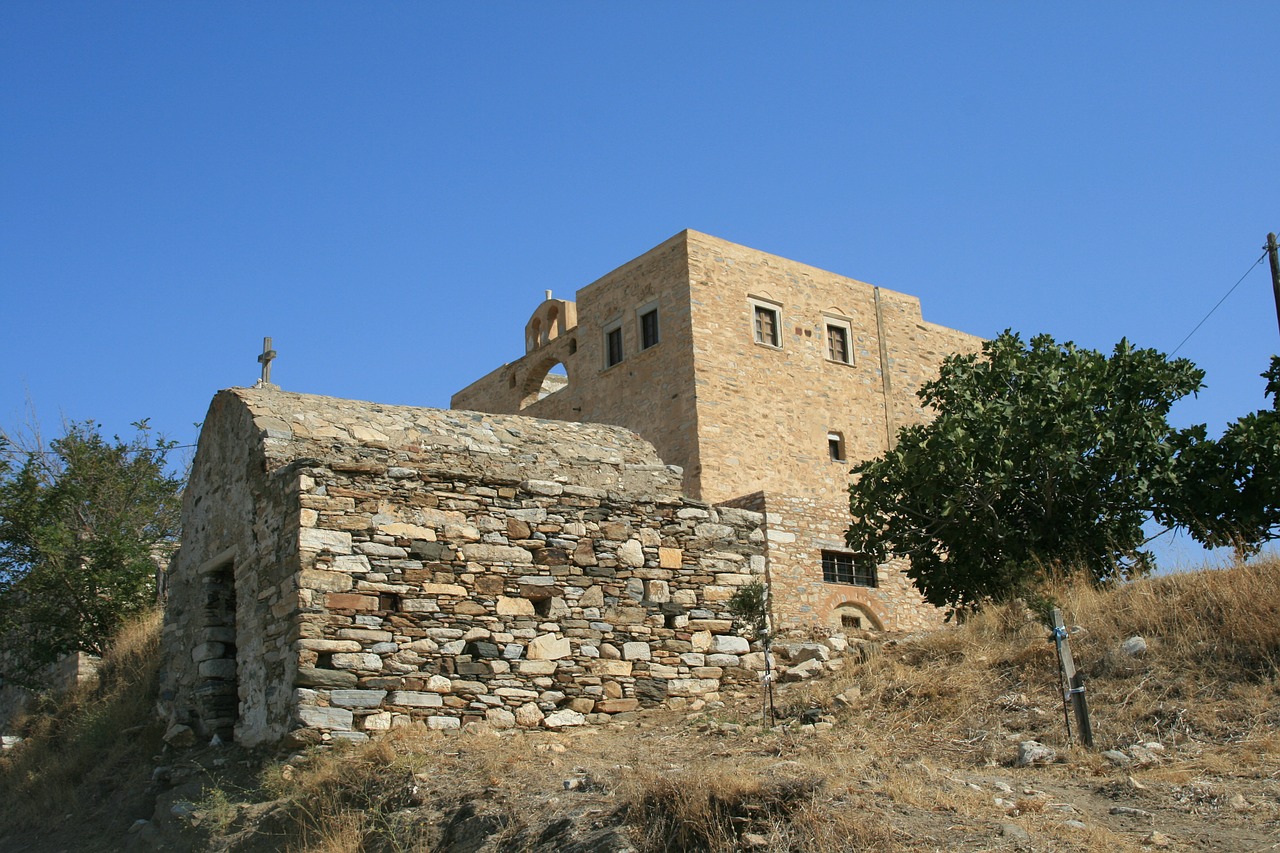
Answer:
(852, 616)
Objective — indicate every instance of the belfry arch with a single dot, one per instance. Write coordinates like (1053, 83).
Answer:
(546, 377)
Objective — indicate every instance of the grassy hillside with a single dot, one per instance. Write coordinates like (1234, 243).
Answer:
(916, 749)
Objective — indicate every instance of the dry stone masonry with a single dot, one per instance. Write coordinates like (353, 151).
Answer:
(347, 568)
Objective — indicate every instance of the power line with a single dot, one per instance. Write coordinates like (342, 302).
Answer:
(1220, 301)
(14, 451)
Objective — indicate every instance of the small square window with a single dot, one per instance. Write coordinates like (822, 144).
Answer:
(649, 329)
(766, 325)
(613, 346)
(843, 567)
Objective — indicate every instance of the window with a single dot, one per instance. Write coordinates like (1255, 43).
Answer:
(648, 328)
(843, 567)
(837, 344)
(839, 340)
(766, 324)
(613, 345)
(835, 446)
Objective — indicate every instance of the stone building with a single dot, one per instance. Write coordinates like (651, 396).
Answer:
(763, 379)
(348, 567)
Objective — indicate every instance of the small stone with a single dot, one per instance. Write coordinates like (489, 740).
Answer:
(528, 715)
(1118, 758)
(563, 719)
(500, 718)
(1126, 811)
(1014, 833)
(1033, 752)
(1157, 839)
(441, 723)
(1143, 757)
(178, 736)
(1134, 646)
(1240, 804)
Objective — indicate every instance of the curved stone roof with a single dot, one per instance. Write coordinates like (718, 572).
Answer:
(401, 440)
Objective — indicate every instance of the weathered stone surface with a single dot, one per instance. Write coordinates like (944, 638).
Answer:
(511, 606)
(488, 554)
(415, 699)
(727, 644)
(357, 698)
(636, 651)
(1034, 752)
(617, 706)
(331, 541)
(548, 647)
(529, 715)
(456, 590)
(536, 667)
(604, 666)
(500, 718)
(363, 661)
(349, 601)
(564, 718)
(325, 718)
(631, 554)
(407, 531)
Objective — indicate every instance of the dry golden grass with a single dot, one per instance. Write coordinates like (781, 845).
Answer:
(924, 734)
(88, 753)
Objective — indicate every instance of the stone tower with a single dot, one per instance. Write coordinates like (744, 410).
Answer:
(764, 379)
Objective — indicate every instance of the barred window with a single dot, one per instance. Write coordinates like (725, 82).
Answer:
(844, 567)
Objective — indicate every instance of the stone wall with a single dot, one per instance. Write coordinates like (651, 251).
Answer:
(388, 564)
(797, 531)
(765, 412)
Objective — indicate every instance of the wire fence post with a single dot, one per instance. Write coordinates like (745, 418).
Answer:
(1073, 691)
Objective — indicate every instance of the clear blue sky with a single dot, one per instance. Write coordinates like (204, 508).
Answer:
(387, 189)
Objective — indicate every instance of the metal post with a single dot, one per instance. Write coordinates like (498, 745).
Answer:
(1074, 680)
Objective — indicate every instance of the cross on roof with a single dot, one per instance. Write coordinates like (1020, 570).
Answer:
(268, 355)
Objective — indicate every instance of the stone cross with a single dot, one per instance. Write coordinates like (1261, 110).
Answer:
(268, 354)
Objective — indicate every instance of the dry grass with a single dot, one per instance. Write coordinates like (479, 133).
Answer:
(89, 753)
(924, 733)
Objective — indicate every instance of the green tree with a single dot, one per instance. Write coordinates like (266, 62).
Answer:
(1229, 494)
(81, 526)
(1040, 454)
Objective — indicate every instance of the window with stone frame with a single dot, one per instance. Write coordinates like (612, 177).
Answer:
(649, 328)
(839, 340)
(835, 446)
(848, 568)
(613, 345)
(767, 323)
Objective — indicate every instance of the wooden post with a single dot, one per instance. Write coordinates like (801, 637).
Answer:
(1074, 680)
